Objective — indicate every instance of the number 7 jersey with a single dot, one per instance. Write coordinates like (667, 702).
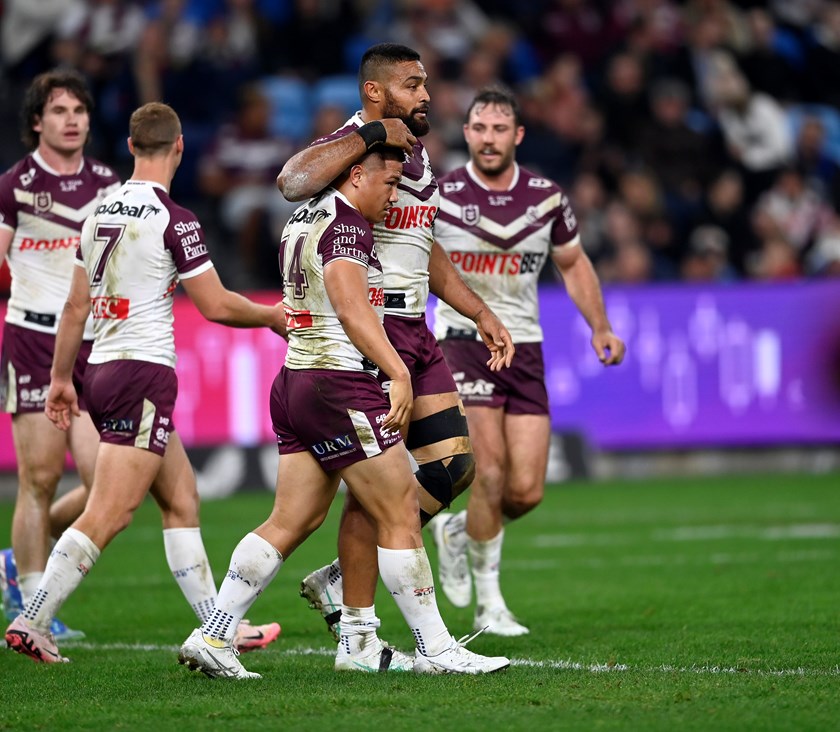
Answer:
(134, 247)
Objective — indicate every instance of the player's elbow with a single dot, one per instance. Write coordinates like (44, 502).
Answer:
(215, 310)
(291, 183)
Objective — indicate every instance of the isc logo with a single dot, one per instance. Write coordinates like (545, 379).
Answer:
(376, 295)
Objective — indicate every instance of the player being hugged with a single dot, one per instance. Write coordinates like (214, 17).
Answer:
(333, 421)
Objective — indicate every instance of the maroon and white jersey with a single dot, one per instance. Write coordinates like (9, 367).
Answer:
(325, 229)
(499, 242)
(46, 210)
(404, 239)
(135, 246)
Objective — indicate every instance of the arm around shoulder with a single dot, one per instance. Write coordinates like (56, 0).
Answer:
(312, 169)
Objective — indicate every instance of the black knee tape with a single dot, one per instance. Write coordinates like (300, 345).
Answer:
(437, 427)
(447, 479)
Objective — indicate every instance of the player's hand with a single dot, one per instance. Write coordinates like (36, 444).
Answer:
(497, 339)
(398, 134)
(609, 347)
(62, 404)
(278, 323)
(402, 402)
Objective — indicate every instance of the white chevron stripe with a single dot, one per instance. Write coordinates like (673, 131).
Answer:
(498, 230)
(60, 209)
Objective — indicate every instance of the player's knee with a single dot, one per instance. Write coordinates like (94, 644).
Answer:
(182, 511)
(519, 503)
(39, 482)
(462, 470)
(446, 479)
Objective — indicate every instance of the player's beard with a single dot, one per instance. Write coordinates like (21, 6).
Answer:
(496, 169)
(418, 127)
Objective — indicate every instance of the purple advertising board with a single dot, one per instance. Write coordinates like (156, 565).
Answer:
(737, 365)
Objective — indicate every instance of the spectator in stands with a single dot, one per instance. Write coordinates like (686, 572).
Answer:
(791, 209)
(723, 206)
(99, 39)
(238, 171)
(824, 258)
(446, 30)
(707, 258)
(681, 157)
(813, 157)
(776, 259)
(310, 43)
(584, 29)
(754, 125)
(823, 56)
(766, 67)
(624, 101)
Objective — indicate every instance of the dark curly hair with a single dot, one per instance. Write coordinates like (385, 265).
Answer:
(38, 94)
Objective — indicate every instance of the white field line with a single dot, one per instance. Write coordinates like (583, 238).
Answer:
(714, 532)
(669, 560)
(555, 665)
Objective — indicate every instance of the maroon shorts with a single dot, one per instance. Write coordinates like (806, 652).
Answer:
(26, 360)
(412, 339)
(131, 402)
(519, 389)
(334, 415)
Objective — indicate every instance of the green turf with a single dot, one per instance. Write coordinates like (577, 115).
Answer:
(682, 604)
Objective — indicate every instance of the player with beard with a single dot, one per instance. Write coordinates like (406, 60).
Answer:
(395, 106)
(499, 224)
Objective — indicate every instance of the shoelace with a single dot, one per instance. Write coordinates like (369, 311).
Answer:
(467, 638)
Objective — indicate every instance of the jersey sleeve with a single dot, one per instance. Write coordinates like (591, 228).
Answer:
(184, 238)
(347, 237)
(564, 230)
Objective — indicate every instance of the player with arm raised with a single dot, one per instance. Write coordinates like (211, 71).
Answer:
(499, 224)
(135, 247)
(333, 421)
(395, 105)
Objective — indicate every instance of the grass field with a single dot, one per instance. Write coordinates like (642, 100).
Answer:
(683, 604)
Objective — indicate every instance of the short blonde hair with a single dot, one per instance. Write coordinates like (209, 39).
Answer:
(154, 128)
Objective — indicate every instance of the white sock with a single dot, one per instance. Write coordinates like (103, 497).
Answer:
(358, 620)
(485, 557)
(71, 559)
(408, 577)
(28, 584)
(455, 529)
(336, 581)
(253, 565)
(190, 567)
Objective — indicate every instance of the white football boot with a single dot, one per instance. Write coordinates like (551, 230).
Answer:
(456, 659)
(450, 534)
(323, 590)
(216, 662)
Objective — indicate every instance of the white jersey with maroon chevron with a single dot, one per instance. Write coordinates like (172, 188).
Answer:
(404, 239)
(325, 229)
(46, 210)
(499, 242)
(135, 246)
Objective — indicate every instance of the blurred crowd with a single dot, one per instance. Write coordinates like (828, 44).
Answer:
(697, 139)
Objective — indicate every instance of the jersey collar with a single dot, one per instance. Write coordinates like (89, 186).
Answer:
(38, 158)
(471, 172)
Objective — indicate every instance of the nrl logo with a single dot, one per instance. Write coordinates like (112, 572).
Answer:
(43, 202)
(470, 214)
(532, 214)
